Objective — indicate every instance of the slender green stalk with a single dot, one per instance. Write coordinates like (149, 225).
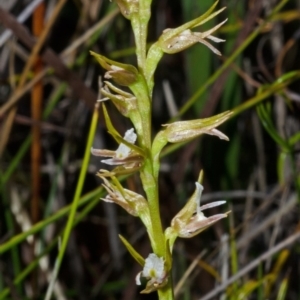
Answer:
(150, 185)
(166, 293)
(76, 199)
(278, 86)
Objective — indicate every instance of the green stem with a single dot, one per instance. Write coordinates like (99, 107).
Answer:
(150, 185)
(166, 293)
(140, 28)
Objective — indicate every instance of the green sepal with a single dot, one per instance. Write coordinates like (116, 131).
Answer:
(125, 102)
(183, 131)
(168, 34)
(114, 133)
(132, 251)
(119, 171)
(152, 288)
(122, 74)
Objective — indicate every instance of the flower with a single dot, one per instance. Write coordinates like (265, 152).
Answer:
(154, 271)
(132, 202)
(174, 40)
(190, 221)
(125, 102)
(182, 131)
(187, 38)
(124, 155)
(122, 74)
(177, 39)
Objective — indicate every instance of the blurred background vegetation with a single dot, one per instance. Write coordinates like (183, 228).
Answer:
(49, 85)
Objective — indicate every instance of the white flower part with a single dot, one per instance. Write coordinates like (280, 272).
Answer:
(218, 133)
(199, 214)
(153, 270)
(115, 68)
(138, 278)
(123, 150)
(199, 190)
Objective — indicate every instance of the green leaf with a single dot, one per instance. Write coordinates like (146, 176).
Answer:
(132, 251)
(265, 117)
(283, 289)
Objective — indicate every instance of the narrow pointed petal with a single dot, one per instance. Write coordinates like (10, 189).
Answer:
(197, 226)
(218, 133)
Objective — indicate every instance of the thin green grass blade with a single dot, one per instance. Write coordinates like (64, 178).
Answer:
(76, 199)
(276, 87)
(283, 288)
